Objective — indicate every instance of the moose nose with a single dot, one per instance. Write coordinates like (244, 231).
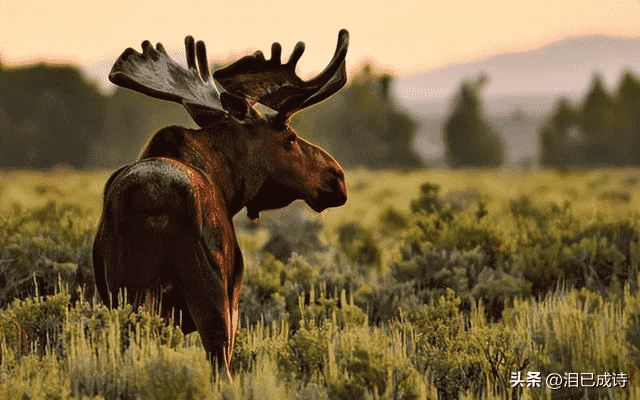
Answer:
(338, 187)
(342, 194)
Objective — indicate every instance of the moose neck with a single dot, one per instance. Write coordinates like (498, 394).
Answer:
(243, 176)
(230, 162)
(222, 151)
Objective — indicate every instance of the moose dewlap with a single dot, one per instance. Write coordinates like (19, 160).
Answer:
(166, 229)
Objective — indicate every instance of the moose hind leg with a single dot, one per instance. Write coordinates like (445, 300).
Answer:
(197, 278)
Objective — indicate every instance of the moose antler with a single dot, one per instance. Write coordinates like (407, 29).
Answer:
(253, 78)
(156, 74)
(277, 86)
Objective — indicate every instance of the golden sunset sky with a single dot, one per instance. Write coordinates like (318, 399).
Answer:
(399, 36)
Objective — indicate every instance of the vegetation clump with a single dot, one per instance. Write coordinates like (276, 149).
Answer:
(428, 296)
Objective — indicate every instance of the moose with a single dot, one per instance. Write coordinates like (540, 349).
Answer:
(166, 231)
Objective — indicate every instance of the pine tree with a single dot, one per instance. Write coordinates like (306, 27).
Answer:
(601, 123)
(557, 134)
(629, 107)
(469, 139)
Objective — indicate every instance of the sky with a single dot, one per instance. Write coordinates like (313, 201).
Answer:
(403, 37)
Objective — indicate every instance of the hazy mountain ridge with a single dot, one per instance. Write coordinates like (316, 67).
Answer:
(561, 68)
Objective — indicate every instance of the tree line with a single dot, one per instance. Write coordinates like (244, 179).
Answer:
(52, 115)
(603, 131)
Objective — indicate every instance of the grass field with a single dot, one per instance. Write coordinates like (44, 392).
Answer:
(447, 304)
(369, 192)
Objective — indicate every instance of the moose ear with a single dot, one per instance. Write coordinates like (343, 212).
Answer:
(235, 106)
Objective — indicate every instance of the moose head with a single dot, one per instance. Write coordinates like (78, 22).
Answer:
(166, 232)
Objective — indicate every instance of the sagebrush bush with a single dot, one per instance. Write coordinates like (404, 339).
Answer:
(392, 221)
(527, 250)
(358, 244)
(444, 348)
(40, 246)
(33, 326)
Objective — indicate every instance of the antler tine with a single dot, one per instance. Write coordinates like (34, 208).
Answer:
(190, 46)
(336, 70)
(197, 51)
(276, 53)
(201, 54)
(337, 62)
(156, 74)
(295, 55)
(277, 86)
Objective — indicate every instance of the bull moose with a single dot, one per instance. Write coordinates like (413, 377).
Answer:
(166, 229)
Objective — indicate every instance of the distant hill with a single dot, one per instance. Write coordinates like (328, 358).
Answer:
(529, 82)
(565, 67)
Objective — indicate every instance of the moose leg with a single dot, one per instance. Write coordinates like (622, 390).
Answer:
(197, 278)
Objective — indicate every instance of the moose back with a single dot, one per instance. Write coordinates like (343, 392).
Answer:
(166, 230)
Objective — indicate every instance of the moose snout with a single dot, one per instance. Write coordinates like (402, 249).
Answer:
(335, 193)
(339, 188)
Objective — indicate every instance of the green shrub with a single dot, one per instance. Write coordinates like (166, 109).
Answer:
(392, 221)
(497, 289)
(428, 202)
(359, 245)
(631, 315)
(615, 196)
(576, 331)
(444, 349)
(33, 326)
(170, 375)
(523, 207)
(52, 242)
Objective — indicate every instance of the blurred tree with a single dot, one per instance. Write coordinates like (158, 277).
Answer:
(604, 131)
(125, 130)
(629, 108)
(131, 118)
(598, 112)
(601, 124)
(361, 125)
(9, 147)
(556, 136)
(469, 139)
(53, 114)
